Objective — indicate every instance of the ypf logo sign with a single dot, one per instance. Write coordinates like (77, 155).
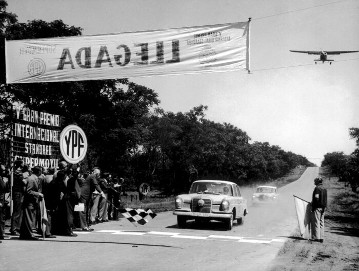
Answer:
(73, 144)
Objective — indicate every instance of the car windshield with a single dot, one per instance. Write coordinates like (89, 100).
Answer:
(217, 188)
(265, 190)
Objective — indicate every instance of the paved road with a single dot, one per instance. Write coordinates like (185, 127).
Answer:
(160, 245)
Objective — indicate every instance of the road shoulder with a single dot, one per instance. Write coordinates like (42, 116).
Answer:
(340, 250)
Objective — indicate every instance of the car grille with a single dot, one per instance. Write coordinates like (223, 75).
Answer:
(263, 197)
(206, 208)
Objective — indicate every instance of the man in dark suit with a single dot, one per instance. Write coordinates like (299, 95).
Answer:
(88, 186)
(3, 190)
(32, 196)
(65, 182)
(319, 203)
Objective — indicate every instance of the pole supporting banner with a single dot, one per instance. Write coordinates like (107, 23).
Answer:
(248, 47)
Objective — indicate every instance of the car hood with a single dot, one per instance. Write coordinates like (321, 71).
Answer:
(216, 199)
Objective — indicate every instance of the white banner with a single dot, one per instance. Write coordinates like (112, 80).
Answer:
(214, 48)
(304, 214)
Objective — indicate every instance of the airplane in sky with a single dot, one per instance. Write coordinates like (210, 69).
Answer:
(324, 54)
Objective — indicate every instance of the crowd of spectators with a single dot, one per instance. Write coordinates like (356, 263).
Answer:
(73, 200)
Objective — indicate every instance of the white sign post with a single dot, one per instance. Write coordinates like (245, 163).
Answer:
(73, 144)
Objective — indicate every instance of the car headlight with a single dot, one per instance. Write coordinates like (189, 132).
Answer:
(224, 205)
(179, 203)
(254, 196)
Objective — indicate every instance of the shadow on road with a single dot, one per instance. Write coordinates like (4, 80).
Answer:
(294, 238)
(341, 218)
(211, 225)
(96, 242)
(353, 232)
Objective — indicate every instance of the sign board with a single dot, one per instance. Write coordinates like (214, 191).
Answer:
(187, 50)
(73, 144)
(35, 137)
(144, 188)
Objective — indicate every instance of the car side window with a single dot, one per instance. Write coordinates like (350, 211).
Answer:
(238, 191)
(234, 192)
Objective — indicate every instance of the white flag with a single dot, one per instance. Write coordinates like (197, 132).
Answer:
(44, 219)
(304, 213)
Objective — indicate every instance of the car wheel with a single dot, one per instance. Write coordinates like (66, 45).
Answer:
(240, 220)
(229, 223)
(181, 221)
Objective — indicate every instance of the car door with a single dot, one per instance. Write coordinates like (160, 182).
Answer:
(236, 200)
(241, 202)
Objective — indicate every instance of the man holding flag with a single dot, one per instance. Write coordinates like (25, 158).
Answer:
(319, 203)
(311, 214)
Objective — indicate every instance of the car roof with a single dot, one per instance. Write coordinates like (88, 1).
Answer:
(266, 186)
(213, 181)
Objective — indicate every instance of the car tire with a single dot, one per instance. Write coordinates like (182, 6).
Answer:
(229, 223)
(181, 221)
(240, 220)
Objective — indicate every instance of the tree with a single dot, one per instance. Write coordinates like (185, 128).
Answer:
(354, 133)
(111, 112)
(336, 161)
(6, 18)
(346, 167)
(129, 137)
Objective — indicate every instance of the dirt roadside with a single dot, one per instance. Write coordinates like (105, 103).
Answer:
(340, 250)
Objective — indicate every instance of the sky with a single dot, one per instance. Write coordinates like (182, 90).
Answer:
(286, 100)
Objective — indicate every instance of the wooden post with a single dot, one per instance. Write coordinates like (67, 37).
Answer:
(11, 165)
(248, 47)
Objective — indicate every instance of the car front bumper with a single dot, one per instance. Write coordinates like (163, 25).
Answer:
(212, 215)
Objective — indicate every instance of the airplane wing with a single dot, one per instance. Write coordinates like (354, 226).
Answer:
(339, 52)
(307, 52)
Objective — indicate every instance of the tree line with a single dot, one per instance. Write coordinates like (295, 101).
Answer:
(131, 136)
(346, 167)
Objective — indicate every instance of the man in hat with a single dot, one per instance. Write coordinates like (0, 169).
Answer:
(19, 182)
(319, 203)
(32, 196)
(3, 190)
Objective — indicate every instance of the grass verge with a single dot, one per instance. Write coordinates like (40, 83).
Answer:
(340, 250)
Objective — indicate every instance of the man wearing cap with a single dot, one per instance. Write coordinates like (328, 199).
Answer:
(319, 203)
